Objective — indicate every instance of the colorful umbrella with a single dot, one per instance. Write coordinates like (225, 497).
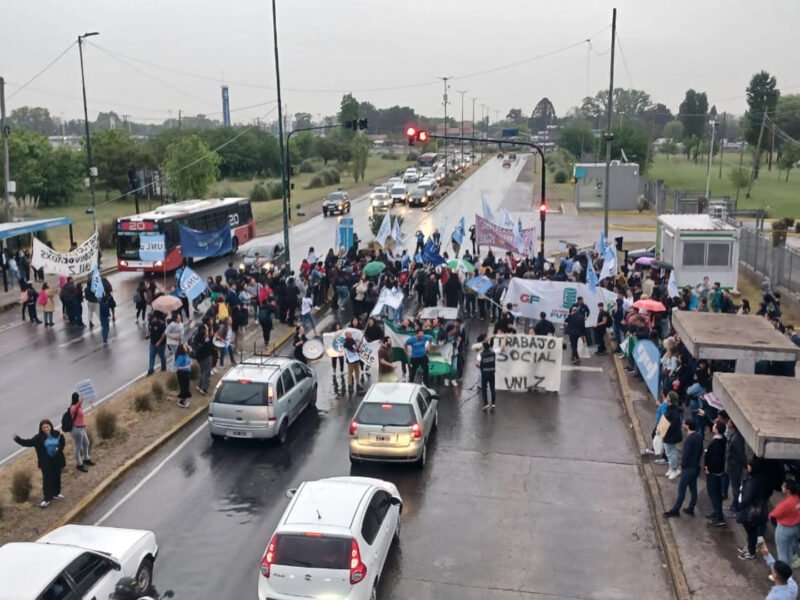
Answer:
(167, 303)
(459, 264)
(650, 305)
(374, 268)
(645, 260)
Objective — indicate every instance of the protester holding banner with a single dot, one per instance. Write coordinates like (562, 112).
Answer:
(353, 360)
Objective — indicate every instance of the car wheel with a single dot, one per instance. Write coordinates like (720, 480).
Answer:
(144, 577)
(435, 421)
(420, 464)
(215, 437)
(313, 400)
(283, 433)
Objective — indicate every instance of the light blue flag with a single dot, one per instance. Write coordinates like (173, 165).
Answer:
(487, 211)
(609, 263)
(192, 284)
(591, 277)
(458, 234)
(97, 284)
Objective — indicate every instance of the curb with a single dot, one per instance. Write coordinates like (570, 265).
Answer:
(677, 575)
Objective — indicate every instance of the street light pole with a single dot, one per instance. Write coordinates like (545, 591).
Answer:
(444, 97)
(5, 132)
(609, 135)
(284, 169)
(713, 125)
(90, 168)
(473, 122)
(462, 92)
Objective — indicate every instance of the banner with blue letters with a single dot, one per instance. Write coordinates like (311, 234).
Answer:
(192, 284)
(648, 361)
(152, 246)
(204, 244)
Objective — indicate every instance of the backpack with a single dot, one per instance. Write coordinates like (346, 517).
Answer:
(42, 298)
(66, 421)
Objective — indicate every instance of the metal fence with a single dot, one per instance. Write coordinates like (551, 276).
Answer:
(781, 265)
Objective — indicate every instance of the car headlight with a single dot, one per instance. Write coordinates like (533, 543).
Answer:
(158, 263)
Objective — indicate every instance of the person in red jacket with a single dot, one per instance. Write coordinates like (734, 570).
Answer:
(786, 519)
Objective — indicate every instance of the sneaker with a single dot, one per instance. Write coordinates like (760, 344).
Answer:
(747, 556)
(742, 549)
(445, 382)
(44, 503)
(59, 496)
(89, 462)
(661, 461)
(486, 407)
(201, 390)
(669, 473)
(671, 513)
(82, 469)
(494, 406)
(675, 474)
(688, 511)
(718, 523)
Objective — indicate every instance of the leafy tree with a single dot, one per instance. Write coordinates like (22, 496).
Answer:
(514, 117)
(63, 173)
(670, 148)
(762, 97)
(114, 153)
(348, 111)
(543, 114)
(360, 154)
(789, 156)
(302, 120)
(787, 114)
(634, 142)
(673, 130)
(32, 118)
(325, 148)
(191, 168)
(576, 137)
(628, 104)
(693, 113)
(739, 178)
(302, 146)
(157, 145)
(655, 118)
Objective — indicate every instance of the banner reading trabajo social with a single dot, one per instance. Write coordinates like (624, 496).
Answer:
(554, 298)
(489, 234)
(77, 262)
(528, 362)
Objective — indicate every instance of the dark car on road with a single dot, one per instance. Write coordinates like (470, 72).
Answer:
(336, 202)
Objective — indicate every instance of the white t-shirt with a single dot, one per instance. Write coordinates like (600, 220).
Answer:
(306, 306)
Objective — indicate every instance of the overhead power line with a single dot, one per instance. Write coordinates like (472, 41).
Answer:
(50, 64)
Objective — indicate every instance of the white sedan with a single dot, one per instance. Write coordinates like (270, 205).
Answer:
(380, 199)
(77, 562)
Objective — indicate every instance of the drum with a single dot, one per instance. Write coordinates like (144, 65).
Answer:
(219, 343)
(313, 349)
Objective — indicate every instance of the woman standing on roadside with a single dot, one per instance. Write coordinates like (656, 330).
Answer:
(49, 446)
(786, 519)
(183, 368)
(80, 440)
(49, 305)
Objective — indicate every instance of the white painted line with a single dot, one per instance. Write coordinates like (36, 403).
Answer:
(11, 326)
(150, 475)
(585, 369)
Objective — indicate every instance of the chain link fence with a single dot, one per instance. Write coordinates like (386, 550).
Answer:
(781, 265)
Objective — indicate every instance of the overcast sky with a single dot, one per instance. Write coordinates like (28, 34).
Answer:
(328, 47)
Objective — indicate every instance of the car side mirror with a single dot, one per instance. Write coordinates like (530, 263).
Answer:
(291, 492)
(394, 501)
(168, 594)
(434, 396)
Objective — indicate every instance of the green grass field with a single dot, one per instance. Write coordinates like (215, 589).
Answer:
(779, 198)
(267, 214)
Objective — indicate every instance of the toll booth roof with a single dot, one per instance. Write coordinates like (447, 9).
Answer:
(743, 333)
(765, 409)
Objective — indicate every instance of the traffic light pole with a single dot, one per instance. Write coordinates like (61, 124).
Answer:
(542, 195)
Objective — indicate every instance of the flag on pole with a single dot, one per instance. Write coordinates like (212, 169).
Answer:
(505, 219)
(609, 263)
(591, 276)
(97, 284)
(672, 285)
(458, 234)
(191, 284)
(600, 247)
(430, 254)
(386, 229)
(397, 235)
(487, 211)
(519, 238)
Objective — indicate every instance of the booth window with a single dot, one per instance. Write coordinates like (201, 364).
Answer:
(694, 254)
(719, 254)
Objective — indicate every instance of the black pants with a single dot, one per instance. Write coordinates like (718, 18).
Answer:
(184, 378)
(266, 331)
(753, 530)
(51, 480)
(600, 336)
(341, 363)
(185, 302)
(573, 342)
(417, 363)
(141, 308)
(487, 381)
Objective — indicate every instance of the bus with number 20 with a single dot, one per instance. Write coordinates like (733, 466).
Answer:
(202, 215)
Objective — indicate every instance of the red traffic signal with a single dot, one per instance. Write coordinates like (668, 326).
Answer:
(413, 134)
(542, 210)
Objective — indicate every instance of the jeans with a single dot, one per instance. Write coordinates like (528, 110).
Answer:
(104, 328)
(618, 334)
(342, 296)
(307, 319)
(171, 348)
(205, 372)
(688, 480)
(159, 351)
(695, 390)
(714, 489)
(417, 363)
(785, 540)
(80, 444)
(48, 317)
(671, 451)
(735, 476)
(229, 351)
(470, 305)
(487, 381)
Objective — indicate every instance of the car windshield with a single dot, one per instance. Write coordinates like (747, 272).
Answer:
(263, 251)
(398, 190)
(379, 190)
(393, 415)
(312, 551)
(335, 197)
(242, 393)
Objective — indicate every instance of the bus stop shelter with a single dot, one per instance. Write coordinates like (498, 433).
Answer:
(746, 339)
(14, 229)
(765, 409)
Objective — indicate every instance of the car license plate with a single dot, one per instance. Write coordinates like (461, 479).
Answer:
(238, 434)
(381, 438)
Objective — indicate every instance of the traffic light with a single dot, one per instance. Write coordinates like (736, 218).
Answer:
(416, 135)
(542, 210)
(356, 124)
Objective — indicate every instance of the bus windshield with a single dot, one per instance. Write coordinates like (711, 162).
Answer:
(428, 160)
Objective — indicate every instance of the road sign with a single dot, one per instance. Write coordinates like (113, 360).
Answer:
(508, 133)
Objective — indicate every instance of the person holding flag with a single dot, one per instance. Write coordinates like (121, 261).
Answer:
(98, 289)
(458, 237)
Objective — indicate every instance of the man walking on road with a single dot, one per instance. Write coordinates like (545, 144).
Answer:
(575, 328)
(417, 347)
(486, 362)
(156, 331)
(690, 469)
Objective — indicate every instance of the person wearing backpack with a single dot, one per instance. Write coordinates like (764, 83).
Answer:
(74, 423)
(49, 445)
(45, 300)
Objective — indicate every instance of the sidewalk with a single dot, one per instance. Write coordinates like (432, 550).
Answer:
(706, 557)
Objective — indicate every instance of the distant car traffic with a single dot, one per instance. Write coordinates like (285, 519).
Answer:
(380, 199)
(418, 197)
(506, 164)
(260, 398)
(411, 175)
(336, 202)
(332, 540)
(269, 255)
(77, 562)
(393, 424)
(399, 193)
(430, 187)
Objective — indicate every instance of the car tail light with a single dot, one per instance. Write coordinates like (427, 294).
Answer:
(353, 427)
(358, 570)
(416, 432)
(269, 557)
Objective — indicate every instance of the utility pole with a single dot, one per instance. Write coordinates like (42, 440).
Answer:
(772, 148)
(754, 170)
(473, 123)
(722, 141)
(284, 170)
(91, 171)
(462, 92)
(179, 118)
(5, 132)
(741, 159)
(713, 125)
(609, 135)
(444, 97)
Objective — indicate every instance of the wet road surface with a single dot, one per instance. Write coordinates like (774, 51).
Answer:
(42, 365)
(541, 499)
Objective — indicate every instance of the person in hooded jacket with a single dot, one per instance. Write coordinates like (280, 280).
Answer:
(752, 515)
(49, 446)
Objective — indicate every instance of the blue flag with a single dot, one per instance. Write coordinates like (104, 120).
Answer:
(430, 255)
(480, 284)
(203, 244)
(191, 284)
(458, 234)
(591, 276)
(97, 284)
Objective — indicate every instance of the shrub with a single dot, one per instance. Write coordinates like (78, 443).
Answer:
(779, 225)
(789, 222)
(157, 390)
(259, 193)
(309, 166)
(141, 403)
(330, 175)
(21, 486)
(107, 234)
(275, 189)
(317, 181)
(227, 192)
(561, 177)
(412, 156)
(106, 421)
(389, 156)
(172, 383)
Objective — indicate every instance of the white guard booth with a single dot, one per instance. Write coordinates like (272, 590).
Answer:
(699, 245)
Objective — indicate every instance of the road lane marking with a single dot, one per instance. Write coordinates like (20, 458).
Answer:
(150, 475)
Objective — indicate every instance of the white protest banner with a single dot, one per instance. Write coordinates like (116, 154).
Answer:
(86, 389)
(528, 362)
(367, 351)
(392, 298)
(80, 261)
(531, 297)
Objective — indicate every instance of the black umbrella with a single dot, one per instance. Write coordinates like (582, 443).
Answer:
(660, 264)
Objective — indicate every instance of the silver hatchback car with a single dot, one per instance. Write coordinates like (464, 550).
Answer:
(260, 398)
(393, 424)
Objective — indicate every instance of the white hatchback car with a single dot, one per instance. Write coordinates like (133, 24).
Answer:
(77, 562)
(332, 540)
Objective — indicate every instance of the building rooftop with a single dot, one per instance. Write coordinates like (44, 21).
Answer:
(695, 223)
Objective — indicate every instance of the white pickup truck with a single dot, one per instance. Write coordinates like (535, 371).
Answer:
(77, 562)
